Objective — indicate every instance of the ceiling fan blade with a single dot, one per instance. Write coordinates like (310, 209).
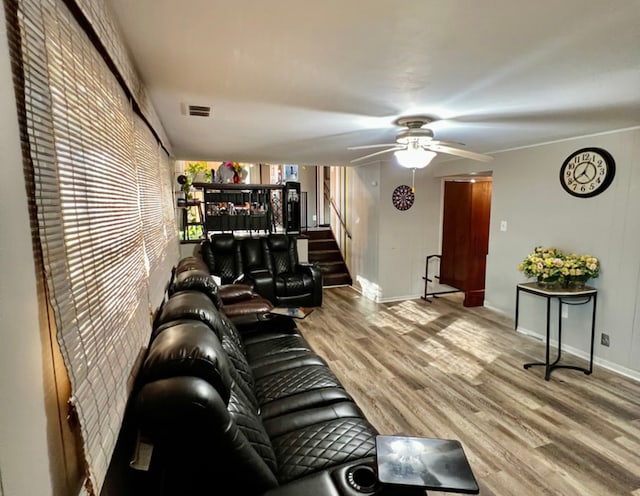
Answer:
(445, 143)
(364, 147)
(378, 153)
(460, 153)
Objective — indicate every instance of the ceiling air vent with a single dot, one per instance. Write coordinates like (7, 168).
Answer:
(196, 110)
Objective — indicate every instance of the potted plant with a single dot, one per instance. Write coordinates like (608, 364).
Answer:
(578, 269)
(195, 172)
(545, 264)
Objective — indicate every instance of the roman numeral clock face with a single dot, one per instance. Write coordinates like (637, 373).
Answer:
(587, 172)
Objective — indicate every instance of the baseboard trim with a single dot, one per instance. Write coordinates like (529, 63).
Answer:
(393, 299)
(601, 362)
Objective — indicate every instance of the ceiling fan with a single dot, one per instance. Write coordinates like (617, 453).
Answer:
(415, 147)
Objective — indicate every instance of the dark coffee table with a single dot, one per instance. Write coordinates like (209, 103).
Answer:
(434, 464)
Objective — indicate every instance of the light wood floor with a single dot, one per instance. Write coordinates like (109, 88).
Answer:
(442, 370)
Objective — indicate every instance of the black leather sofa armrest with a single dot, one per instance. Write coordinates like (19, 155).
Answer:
(319, 484)
(316, 275)
(310, 268)
(234, 293)
(356, 478)
(262, 282)
(260, 323)
(174, 407)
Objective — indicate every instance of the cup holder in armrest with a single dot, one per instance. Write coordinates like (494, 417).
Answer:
(362, 478)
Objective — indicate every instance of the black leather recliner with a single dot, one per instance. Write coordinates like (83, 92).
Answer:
(269, 264)
(222, 256)
(294, 283)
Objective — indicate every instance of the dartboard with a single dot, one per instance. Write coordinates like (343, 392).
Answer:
(403, 197)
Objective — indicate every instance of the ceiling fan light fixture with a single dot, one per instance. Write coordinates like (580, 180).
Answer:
(414, 157)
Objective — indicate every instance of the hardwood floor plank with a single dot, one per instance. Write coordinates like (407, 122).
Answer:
(442, 370)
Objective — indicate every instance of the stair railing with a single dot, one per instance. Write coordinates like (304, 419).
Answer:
(339, 228)
(343, 229)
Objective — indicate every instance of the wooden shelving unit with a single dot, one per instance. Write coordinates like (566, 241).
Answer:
(240, 207)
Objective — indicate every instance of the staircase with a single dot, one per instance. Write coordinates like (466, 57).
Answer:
(324, 251)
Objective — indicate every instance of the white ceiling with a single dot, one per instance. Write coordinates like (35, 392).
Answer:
(296, 81)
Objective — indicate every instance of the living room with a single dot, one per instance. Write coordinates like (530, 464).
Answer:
(388, 247)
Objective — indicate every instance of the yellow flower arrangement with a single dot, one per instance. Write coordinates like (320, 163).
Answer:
(545, 264)
(551, 265)
(581, 267)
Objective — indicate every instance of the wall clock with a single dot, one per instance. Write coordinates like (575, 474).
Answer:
(403, 197)
(587, 172)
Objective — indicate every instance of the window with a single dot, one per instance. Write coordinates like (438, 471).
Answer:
(105, 217)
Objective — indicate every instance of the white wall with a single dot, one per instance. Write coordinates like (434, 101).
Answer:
(527, 194)
(390, 246)
(407, 237)
(24, 455)
(363, 193)
(307, 176)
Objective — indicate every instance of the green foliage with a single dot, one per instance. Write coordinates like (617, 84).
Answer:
(194, 232)
(191, 171)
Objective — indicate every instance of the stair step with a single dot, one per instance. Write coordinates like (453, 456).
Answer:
(324, 251)
(314, 234)
(339, 279)
(322, 244)
(332, 267)
(325, 256)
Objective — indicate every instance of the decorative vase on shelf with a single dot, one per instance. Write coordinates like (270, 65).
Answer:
(548, 283)
(577, 282)
(236, 178)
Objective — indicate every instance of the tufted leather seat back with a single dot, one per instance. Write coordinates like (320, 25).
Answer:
(282, 253)
(252, 255)
(223, 257)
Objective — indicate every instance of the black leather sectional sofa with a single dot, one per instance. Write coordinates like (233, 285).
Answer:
(269, 263)
(242, 406)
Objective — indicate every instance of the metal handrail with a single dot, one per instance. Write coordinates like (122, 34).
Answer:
(335, 209)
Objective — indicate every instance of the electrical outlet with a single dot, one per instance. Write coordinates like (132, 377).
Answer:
(604, 339)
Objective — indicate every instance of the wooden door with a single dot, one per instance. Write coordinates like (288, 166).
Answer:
(465, 238)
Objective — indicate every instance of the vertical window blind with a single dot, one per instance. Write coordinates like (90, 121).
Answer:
(105, 217)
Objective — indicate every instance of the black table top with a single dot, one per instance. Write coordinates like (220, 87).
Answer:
(435, 464)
